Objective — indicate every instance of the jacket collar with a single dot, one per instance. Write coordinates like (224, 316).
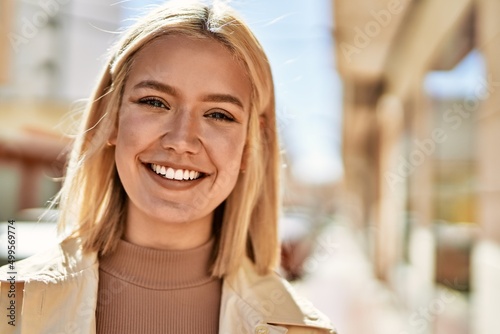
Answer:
(64, 260)
(267, 300)
(249, 303)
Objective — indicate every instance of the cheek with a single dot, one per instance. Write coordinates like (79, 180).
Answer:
(134, 130)
(134, 135)
(228, 153)
(128, 131)
(228, 169)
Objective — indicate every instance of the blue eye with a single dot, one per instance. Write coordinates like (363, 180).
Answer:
(220, 116)
(154, 103)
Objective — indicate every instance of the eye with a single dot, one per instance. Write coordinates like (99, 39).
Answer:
(154, 103)
(220, 116)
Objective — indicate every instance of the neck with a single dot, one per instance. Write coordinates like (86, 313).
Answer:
(151, 233)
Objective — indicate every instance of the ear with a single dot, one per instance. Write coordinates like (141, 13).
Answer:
(244, 158)
(112, 138)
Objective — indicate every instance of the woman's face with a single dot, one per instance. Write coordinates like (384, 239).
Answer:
(182, 129)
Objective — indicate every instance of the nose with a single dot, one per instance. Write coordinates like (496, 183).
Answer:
(182, 133)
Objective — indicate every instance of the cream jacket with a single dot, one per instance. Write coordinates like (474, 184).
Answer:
(56, 293)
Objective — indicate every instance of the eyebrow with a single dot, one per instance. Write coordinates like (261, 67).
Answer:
(227, 98)
(164, 88)
(161, 87)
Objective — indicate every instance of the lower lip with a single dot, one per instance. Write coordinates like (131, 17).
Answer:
(172, 184)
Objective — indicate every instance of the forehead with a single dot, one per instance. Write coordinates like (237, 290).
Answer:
(180, 58)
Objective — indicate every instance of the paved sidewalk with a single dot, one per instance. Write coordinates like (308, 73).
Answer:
(341, 284)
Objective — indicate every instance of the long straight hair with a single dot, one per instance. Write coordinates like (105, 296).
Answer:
(92, 200)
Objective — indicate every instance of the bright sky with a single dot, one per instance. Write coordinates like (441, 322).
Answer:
(296, 36)
(467, 79)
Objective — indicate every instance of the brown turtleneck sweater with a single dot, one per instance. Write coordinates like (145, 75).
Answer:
(144, 290)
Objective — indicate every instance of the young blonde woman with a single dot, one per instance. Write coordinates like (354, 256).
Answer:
(171, 193)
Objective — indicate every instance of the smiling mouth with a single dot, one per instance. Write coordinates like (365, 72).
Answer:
(175, 174)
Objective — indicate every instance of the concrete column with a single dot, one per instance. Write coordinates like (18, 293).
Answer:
(391, 186)
(489, 120)
(359, 153)
(486, 256)
(420, 274)
(421, 177)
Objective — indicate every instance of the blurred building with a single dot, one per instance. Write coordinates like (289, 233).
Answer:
(51, 53)
(421, 129)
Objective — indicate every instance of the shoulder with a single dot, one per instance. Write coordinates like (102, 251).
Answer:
(63, 259)
(60, 283)
(275, 300)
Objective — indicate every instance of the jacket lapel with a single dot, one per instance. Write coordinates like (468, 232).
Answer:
(267, 303)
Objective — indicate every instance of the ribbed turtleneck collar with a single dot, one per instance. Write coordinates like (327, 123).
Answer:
(159, 269)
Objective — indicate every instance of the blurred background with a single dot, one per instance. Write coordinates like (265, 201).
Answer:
(389, 119)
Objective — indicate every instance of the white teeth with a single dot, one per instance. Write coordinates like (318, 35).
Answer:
(170, 173)
(179, 174)
(173, 174)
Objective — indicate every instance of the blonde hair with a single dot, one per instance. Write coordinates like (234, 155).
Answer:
(92, 199)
